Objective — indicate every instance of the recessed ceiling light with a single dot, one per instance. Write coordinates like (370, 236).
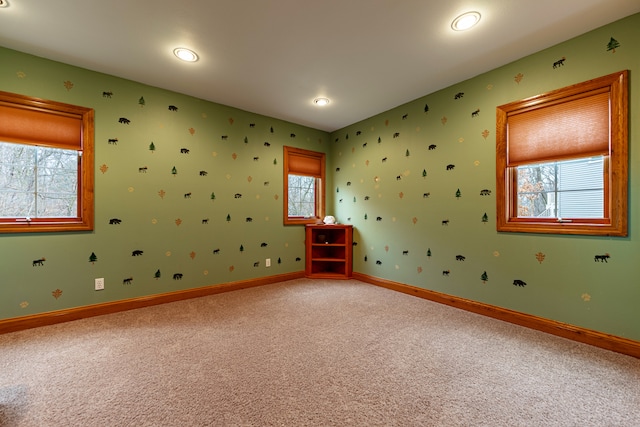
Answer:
(465, 21)
(4, 3)
(321, 101)
(185, 54)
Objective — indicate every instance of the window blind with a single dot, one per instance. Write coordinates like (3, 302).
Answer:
(300, 163)
(564, 129)
(31, 125)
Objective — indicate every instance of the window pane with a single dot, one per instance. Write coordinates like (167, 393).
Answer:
(302, 196)
(17, 204)
(565, 189)
(38, 182)
(17, 180)
(57, 183)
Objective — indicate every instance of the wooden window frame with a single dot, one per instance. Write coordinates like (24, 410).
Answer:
(289, 168)
(84, 221)
(615, 222)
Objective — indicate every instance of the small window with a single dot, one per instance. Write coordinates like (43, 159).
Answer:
(562, 160)
(304, 178)
(46, 165)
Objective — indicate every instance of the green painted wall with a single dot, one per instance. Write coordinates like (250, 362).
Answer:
(156, 216)
(566, 285)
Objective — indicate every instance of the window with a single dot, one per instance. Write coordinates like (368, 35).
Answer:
(304, 186)
(46, 165)
(562, 160)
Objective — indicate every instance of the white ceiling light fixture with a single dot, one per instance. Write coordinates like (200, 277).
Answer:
(185, 54)
(465, 21)
(321, 102)
(4, 3)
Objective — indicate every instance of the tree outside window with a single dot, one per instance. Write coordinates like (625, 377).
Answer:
(38, 182)
(302, 196)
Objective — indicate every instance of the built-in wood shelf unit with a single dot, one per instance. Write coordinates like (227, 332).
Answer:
(329, 251)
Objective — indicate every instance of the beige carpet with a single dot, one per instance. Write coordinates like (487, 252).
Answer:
(309, 353)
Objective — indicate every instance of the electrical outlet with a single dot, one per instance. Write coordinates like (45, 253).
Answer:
(267, 262)
(100, 284)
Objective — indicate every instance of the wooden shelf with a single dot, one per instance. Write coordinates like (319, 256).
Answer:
(329, 251)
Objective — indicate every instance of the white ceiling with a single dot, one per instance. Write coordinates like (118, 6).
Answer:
(273, 57)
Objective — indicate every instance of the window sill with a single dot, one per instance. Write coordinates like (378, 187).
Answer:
(44, 226)
(555, 227)
(302, 221)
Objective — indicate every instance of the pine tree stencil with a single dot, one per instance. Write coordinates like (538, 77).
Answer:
(613, 45)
